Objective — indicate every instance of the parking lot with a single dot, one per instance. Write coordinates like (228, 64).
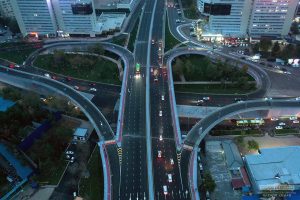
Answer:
(215, 162)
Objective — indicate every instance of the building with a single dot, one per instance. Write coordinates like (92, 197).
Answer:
(274, 168)
(114, 5)
(80, 134)
(35, 17)
(6, 9)
(63, 18)
(254, 18)
(272, 18)
(227, 17)
(232, 155)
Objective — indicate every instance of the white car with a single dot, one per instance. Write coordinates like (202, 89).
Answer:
(206, 98)
(278, 127)
(160, 113)
(297, 98)
(274, 119)
(293, 117)
(159, 154)
(76, 87)
(268, 98)
(93, 89)
(47, 75)
(177, 21)
(171, 161)
(296, 122)
(70, 152)
(17, 66)
(165, 190)
(160, 138)
(281, 124)
(170, 178)
(162, 97)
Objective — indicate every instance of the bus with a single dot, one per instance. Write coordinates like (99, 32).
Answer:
(250, 122)
(137, 70)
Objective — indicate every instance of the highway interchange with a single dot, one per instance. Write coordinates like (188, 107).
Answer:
(132, 176)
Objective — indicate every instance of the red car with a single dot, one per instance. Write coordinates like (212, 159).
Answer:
(68, 78)
(11, 66)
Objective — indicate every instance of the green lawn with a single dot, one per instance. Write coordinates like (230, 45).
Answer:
(95, 70)
(120, 42)
(170, 40)
(92, 187)
(133, 35)
(16, 56)
(211, 88)
(286, 131)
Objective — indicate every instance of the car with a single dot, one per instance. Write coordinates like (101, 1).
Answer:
(43, 99)
(92, 84)
(281, 124)
(160, 113)
(74, 194)
(159, 154)
(70, 152)
(297, 98)
(160, 138)
(296, 121)
(206, 98)
(171, 161)
(182, 21)
(54, 77)
(151, 69)
(278, 127)
(152, 41)
(47, 75)
(170, 178)
(293, 117)
(11, 66)
(162, 97)
(155, 79)
(165, 190)
(200, 102)
(177, 20)
(237, 99)
(274, 119)
(17, 66)
(277, 67)
(76, 87)
(68, 78)
(93, 89)
(268, 98)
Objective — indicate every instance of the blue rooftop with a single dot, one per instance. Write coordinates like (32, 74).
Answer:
(5, 104)
(80, 132)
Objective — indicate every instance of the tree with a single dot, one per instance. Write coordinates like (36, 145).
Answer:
(178, 67)
(208, 182)
(288, 52)
(265, 44)
(275, 49)
(294, 28)
(252, 144)
(255, 48)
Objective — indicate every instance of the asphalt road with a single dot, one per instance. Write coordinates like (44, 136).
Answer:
(162, 132)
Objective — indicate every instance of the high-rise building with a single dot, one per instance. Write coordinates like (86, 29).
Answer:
(255, 18)
(75, 16)
(35, 16)
(272, 18)
(226, 17)
(6, 9)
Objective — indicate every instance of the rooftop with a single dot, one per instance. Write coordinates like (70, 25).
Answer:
(5, 104)
(275, 166)
(109, 4)
(233, 158)
(80, 132)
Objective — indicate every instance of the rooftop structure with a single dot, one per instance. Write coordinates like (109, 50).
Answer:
(108, 22)
(6, 9)
(114, 4)
(5, 104)
(233, 157)
(274, 168)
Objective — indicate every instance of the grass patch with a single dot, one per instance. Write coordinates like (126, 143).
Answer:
(170, 40)
(286, 131)
(236, 132)
(93, 68)
(120, 41)
(92, 187)
(17, 56)
(212, 88)
(133, 35)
